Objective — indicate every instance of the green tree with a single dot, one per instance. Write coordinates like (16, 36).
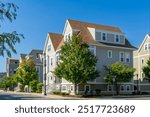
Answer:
(8, 40)
(26, 72)
(120, 73)
(77, 63)
(6, 83)
(146, 70)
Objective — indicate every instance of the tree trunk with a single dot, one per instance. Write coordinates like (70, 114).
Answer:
(75, 89)
(117, 89)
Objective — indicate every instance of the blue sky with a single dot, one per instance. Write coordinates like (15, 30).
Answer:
(37, 17)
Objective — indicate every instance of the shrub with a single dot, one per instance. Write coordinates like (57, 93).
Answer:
(39, 87)
(60, 93)
(33, 85)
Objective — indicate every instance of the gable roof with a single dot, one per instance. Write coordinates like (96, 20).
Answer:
(147, 35)
(87, 37)
(79, 24)
(56, 39)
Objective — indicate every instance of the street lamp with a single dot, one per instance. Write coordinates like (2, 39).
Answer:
(114, 79)
(137, 83)
(44, 61)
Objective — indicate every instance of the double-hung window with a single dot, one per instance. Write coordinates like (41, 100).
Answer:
(121, 56)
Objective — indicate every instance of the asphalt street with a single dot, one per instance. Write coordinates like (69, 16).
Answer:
(30, 96)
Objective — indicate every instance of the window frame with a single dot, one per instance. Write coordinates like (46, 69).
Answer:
(109, 52)
(120, 56)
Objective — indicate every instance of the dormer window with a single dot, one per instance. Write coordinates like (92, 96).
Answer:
(104, 36)
(117, 38)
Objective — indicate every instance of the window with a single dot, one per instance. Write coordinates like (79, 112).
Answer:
(109, 88)
(109, 53)
(51, 61)
(49, 48)
(117, 38)
(121, 87)
(57, 59)
(142, 61)
(121, 56)
(143, 75)
(87, 88)
(64, 87)
(71, 88)
(37, 55)
(128, 88)
(146, 47)
(15, 62)
(38, 69)
(92, 49)
(127, 56)
(47, 63)
(104, 37)
(149, 46)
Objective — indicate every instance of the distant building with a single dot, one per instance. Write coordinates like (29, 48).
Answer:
(2, 75)
(141, 55)
(11, 66)
(37, 57)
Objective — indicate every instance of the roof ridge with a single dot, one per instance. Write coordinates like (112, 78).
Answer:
(93, 23)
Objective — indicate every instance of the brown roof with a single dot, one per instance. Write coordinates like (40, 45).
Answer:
(56, 39)
(78, 24)
(86, 35)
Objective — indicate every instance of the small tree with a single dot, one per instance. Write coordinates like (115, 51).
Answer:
(146, 70)
(77, 63)
(120, 72)
(8, 40)
(26, 72)
(33, 85)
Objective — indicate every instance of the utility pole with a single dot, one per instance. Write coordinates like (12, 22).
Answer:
(44, 61)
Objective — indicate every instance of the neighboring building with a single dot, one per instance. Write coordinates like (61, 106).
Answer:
(141, 55)
(37, 57)
(2, 75)
(108, 43)
(11, 66)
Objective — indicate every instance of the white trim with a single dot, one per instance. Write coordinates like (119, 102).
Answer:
(141, 55)
(113, 47)
(67, 22)
(65, 83)
(146, 37)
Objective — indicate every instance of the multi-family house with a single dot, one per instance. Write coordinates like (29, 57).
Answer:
(141, 55)
(11, 66)
(108, 43)
(37, 57)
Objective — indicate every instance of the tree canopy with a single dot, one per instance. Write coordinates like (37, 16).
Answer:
(26, 72)
(119, 72)
(8, 11)
(146, 70)
(77, 63)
